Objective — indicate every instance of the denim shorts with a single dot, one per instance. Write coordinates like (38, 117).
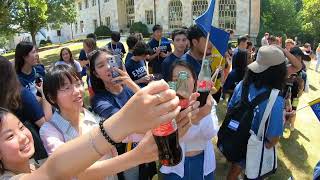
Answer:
(193, 170)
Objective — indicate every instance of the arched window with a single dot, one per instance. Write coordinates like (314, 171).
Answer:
(227, 14)
(198, 7)
(175, 14)
(130, 12)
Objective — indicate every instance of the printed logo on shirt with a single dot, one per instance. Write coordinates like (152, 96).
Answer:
(32, 87)
(140, 72)
(162, 48)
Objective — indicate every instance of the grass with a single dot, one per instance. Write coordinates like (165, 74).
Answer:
(298, 151)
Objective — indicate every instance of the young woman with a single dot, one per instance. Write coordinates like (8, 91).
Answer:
(23, 104)
(198, 160)
(67, 58)
(25, 61)
(65, 91)
(16, 143)
(269, 71)
(111, 95)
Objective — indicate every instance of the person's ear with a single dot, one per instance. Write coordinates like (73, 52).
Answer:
(195, 42)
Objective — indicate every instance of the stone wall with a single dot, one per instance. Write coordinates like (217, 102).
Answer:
(116, 10)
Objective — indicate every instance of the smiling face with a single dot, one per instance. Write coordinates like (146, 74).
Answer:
(102, 68)
(66, 56)
(70, 95)
(16, 143)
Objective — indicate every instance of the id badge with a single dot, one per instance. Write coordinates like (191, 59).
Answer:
(233, 125)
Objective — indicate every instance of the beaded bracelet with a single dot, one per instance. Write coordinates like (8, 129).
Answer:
(105, 135)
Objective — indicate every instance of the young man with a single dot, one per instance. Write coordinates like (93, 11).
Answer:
(136, 66)
(180, 42)
(197, 41)
(115, 45)
(161, 49)
(131, 42)
(242, 44)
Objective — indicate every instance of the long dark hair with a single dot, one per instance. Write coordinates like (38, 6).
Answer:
(10, 89)
(71, 57)
(22, 50)
(273, 78)
(183, 63)
(97, 83)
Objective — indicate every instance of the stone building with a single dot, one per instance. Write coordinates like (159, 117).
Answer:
(241, 15)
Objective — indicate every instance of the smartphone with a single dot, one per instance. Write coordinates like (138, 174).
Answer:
(116, 62)
(38, 81)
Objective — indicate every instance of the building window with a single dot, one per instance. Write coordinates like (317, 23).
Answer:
(198, 8)
(130, 12)
(108, 21)
(94, 2)
(95, 24)
(227, 14)
(76, 27)
(175, 14)
(81, 26)
(86, 3)
(80, 6)
(149, 16)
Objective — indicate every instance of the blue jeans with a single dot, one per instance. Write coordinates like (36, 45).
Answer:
(193, 170)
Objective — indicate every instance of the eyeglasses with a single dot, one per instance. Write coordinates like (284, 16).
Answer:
(70, 87)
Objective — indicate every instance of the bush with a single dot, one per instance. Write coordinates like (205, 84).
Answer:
(139, 27)
(45, 43)
(102, 31)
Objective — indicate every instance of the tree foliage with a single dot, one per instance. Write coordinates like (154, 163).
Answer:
(310, 16)
(102, 31)
(32, 15)
(291, 18)
(279, 17)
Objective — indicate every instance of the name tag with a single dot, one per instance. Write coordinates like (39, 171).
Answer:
(233, 125)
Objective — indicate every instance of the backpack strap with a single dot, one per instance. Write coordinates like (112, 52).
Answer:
(245, 93)
(260, 98)
(273, 97)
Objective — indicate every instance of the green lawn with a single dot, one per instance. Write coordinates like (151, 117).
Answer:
(298, 151)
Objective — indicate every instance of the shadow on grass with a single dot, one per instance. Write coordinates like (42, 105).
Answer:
(296, 152)
(282, 172)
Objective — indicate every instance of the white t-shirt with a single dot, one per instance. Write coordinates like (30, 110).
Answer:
(76, 65)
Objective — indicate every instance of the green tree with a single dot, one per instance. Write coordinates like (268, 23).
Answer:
(279, 17)
(32, 15)
(310, 15)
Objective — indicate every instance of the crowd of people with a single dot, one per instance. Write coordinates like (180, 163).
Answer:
(43, 116)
